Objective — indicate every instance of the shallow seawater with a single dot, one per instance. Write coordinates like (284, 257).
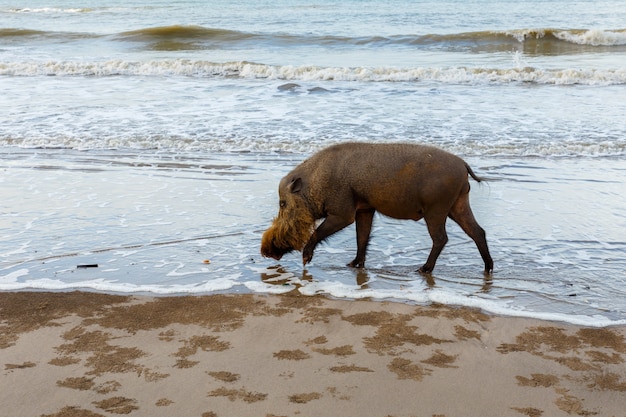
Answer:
(150, 222)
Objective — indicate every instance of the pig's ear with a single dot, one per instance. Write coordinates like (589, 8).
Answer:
(295, 185)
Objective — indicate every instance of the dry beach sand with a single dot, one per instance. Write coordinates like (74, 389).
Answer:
(89, 354)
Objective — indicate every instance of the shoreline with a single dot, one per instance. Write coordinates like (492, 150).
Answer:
(92, 354)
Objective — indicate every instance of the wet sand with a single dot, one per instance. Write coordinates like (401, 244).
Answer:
(87, 354)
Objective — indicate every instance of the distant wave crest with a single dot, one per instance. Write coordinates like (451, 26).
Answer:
(51, 10)
(183, 32)
(536, 41)
(455, 40)
(576, 36)
(251, 70)
(609, 147)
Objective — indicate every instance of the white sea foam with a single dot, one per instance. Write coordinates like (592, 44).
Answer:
(606, 148)
(422, 296)
(50, 10)
(264, 288)
(454, 75)
(11, 278)
(10, 283)
(593, 37)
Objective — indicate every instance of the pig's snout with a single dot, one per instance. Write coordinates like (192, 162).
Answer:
(269, 248)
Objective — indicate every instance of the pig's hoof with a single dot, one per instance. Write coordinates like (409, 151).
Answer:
(307, 255)
(356, 264)
(425, 269)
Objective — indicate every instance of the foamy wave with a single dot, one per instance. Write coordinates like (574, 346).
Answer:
(51, 10)
(593, 37)
(193, 37)
(610, 147)
(189, 68)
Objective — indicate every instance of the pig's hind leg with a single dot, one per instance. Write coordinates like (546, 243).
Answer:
(461, 213)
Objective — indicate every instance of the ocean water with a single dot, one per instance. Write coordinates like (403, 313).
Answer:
(148, 138)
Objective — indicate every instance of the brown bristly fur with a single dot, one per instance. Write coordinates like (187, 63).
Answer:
(289, 231)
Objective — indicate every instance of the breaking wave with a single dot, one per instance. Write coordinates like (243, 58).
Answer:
(246, 143)
(538, 41)
(250, 70)
(51, 10)
(574, 36)
(459, 40)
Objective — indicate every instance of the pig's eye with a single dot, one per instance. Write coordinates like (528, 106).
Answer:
(282, 203)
